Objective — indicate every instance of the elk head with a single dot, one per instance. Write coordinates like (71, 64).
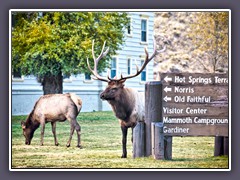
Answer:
(27, 133)
(116, 85)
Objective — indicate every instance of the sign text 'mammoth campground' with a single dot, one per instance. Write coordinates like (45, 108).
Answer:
(195, 104)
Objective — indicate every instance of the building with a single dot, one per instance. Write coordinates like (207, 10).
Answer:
(26, 90)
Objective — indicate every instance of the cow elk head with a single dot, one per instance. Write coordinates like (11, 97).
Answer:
(27, 133)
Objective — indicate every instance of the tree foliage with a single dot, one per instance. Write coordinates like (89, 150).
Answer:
(210, 36)
(52, 42)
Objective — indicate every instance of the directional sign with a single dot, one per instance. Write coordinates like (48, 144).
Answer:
(167, 79)
(166, 99)
(194, 79)
(167, 89)
(195, 104)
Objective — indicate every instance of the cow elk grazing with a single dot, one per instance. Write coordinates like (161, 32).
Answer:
(127, 103)
(53, 108)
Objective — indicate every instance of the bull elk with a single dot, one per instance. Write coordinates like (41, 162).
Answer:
(53, 108)
(127, 103)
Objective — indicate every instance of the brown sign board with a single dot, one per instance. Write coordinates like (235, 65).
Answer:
(195, 104)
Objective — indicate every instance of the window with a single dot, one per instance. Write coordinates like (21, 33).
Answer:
(143, 73)
(17, 74)
(129, 66)
(144, 30)
(129, 28)
(113, 67)
(87, 76)
(67, 78)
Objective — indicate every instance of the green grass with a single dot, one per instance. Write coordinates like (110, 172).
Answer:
(101, 141)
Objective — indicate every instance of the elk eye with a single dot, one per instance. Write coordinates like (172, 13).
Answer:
(114, 89)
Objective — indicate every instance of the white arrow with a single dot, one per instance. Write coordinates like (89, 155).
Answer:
(167, 79)
(166, 99)
(166, 89)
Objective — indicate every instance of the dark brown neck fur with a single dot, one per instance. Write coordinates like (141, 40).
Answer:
(30, 123)
(123, 105)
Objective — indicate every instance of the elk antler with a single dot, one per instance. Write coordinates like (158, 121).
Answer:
(108, 79)
(94, 71)
(147, 60)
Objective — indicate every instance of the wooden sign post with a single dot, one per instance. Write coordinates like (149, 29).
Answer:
(153, 110)
(153, 119)
(185, 104)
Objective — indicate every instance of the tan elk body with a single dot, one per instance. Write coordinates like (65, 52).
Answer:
(127, 104)
(53, 108)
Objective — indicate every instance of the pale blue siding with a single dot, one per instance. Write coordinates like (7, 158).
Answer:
(25, 92)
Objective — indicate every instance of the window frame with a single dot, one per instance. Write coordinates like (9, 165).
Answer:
(129, 65)
(146, 72)
(17, 79)
(87, 80)
(67, 79)
(116, 58)
(146, 20)
(131, 28)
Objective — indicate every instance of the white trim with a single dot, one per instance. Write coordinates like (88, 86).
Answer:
(144, 16)
(10, 92)
(229, 90)
(88, 81)
(17, 79)
(123, 10)
(143, 43)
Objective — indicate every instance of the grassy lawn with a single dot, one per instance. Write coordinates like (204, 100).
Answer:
(101, 141)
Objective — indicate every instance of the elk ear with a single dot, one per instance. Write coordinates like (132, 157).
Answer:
(23, 124)
(122, 81)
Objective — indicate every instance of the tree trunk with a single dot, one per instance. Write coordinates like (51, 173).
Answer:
(53, 84)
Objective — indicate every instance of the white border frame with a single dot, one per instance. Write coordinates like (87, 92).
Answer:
(124, 10)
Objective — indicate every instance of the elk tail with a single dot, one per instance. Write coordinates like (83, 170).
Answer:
(77, 101)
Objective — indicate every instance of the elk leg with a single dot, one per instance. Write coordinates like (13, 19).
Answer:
(132, 135)
(78, 129)
(54, 133)
(42, 132)
(71, 133)
(124, 141)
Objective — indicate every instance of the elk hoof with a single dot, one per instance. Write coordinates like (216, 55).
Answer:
(79, 146)
(124, 156)
(56, 144)
(68, 145)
